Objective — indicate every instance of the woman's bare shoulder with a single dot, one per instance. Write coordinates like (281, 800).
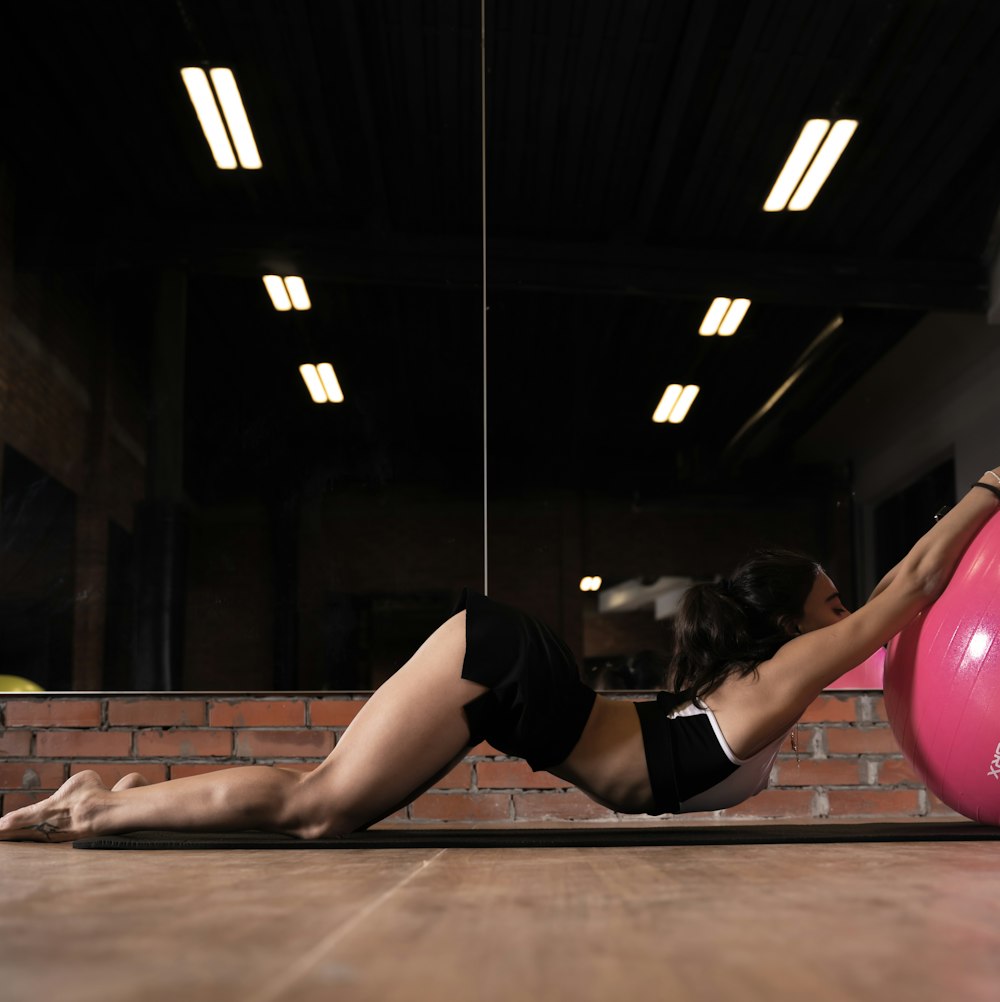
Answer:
(756, 709)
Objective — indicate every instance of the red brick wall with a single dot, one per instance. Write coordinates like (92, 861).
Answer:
(849, 764)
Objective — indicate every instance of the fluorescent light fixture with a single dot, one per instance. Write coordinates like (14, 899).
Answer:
(275, 286)
(287, 293)
(330, 384)
(200, 92)
(202, 97)
(787, 190)
(824, 162)
(590, 583)
(236, 117)
(683, 404)
(710, 325)
(670, 397)
(321, 382)
(675, 403)
(723, 316)
(734, 317)
(297, 292)
(313, 383)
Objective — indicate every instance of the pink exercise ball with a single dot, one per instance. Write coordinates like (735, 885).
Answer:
(942, 685)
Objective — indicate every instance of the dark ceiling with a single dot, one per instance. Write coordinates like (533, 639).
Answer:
(629, 146)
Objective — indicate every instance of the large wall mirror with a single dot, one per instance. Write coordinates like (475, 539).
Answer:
(177, 510)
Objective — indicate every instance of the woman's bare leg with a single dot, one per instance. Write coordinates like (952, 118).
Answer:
(409, 732)
(130, 781)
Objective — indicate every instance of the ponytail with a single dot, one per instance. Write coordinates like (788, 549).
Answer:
(727, 628)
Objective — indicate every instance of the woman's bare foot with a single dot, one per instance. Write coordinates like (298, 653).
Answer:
(59, 818)
(130, 782)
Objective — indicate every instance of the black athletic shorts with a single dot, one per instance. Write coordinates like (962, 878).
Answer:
(536, 706)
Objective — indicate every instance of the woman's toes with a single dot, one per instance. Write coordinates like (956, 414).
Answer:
(34, 824)
(58, 818)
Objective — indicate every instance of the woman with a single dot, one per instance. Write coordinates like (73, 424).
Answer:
(752, 653)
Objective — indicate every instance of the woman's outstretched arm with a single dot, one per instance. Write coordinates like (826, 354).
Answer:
(757, 709)
(887, 580)
(807, 664)
(990, 478)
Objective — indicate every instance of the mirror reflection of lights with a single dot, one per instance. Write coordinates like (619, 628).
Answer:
(675, 403)
(322, 383)
(287, 293)
(211, 113)
(815, 154)
(724, 316)
(590, 583)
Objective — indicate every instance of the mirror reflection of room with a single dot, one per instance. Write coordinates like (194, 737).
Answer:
(243, 385)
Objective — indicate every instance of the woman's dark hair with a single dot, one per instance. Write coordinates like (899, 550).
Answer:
(726, 628)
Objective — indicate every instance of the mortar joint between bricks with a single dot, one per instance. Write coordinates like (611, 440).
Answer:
(865, 715)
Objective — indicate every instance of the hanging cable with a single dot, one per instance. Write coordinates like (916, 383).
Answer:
(482, 116)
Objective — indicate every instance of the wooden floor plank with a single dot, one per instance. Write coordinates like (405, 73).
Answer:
(789, 922)
(823, 922)
(89, 927)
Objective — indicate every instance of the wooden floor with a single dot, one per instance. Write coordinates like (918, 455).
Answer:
(798, 922)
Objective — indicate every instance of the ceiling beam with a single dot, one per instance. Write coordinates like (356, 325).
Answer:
(378, 198)
(572, 269)
(678, 96)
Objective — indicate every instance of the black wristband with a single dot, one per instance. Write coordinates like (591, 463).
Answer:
(988, 487)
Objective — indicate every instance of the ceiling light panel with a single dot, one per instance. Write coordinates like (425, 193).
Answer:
(331, 384)
(313, 383)
(297, 292)
(322, 383)
(683, 405)
(287, 293)
(710, 325)
(724, 316)
(734, 317)
(813, 157)
(235, 130)
(823, 163)
(675, 403)
(200, 92)
(236, 117)
(275, 286)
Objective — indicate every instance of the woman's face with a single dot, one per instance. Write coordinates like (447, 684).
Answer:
(823, 606)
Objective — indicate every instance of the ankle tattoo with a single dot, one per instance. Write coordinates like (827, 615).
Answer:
(46, 829)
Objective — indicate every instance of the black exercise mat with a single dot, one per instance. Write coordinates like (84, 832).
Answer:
(543, 838)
